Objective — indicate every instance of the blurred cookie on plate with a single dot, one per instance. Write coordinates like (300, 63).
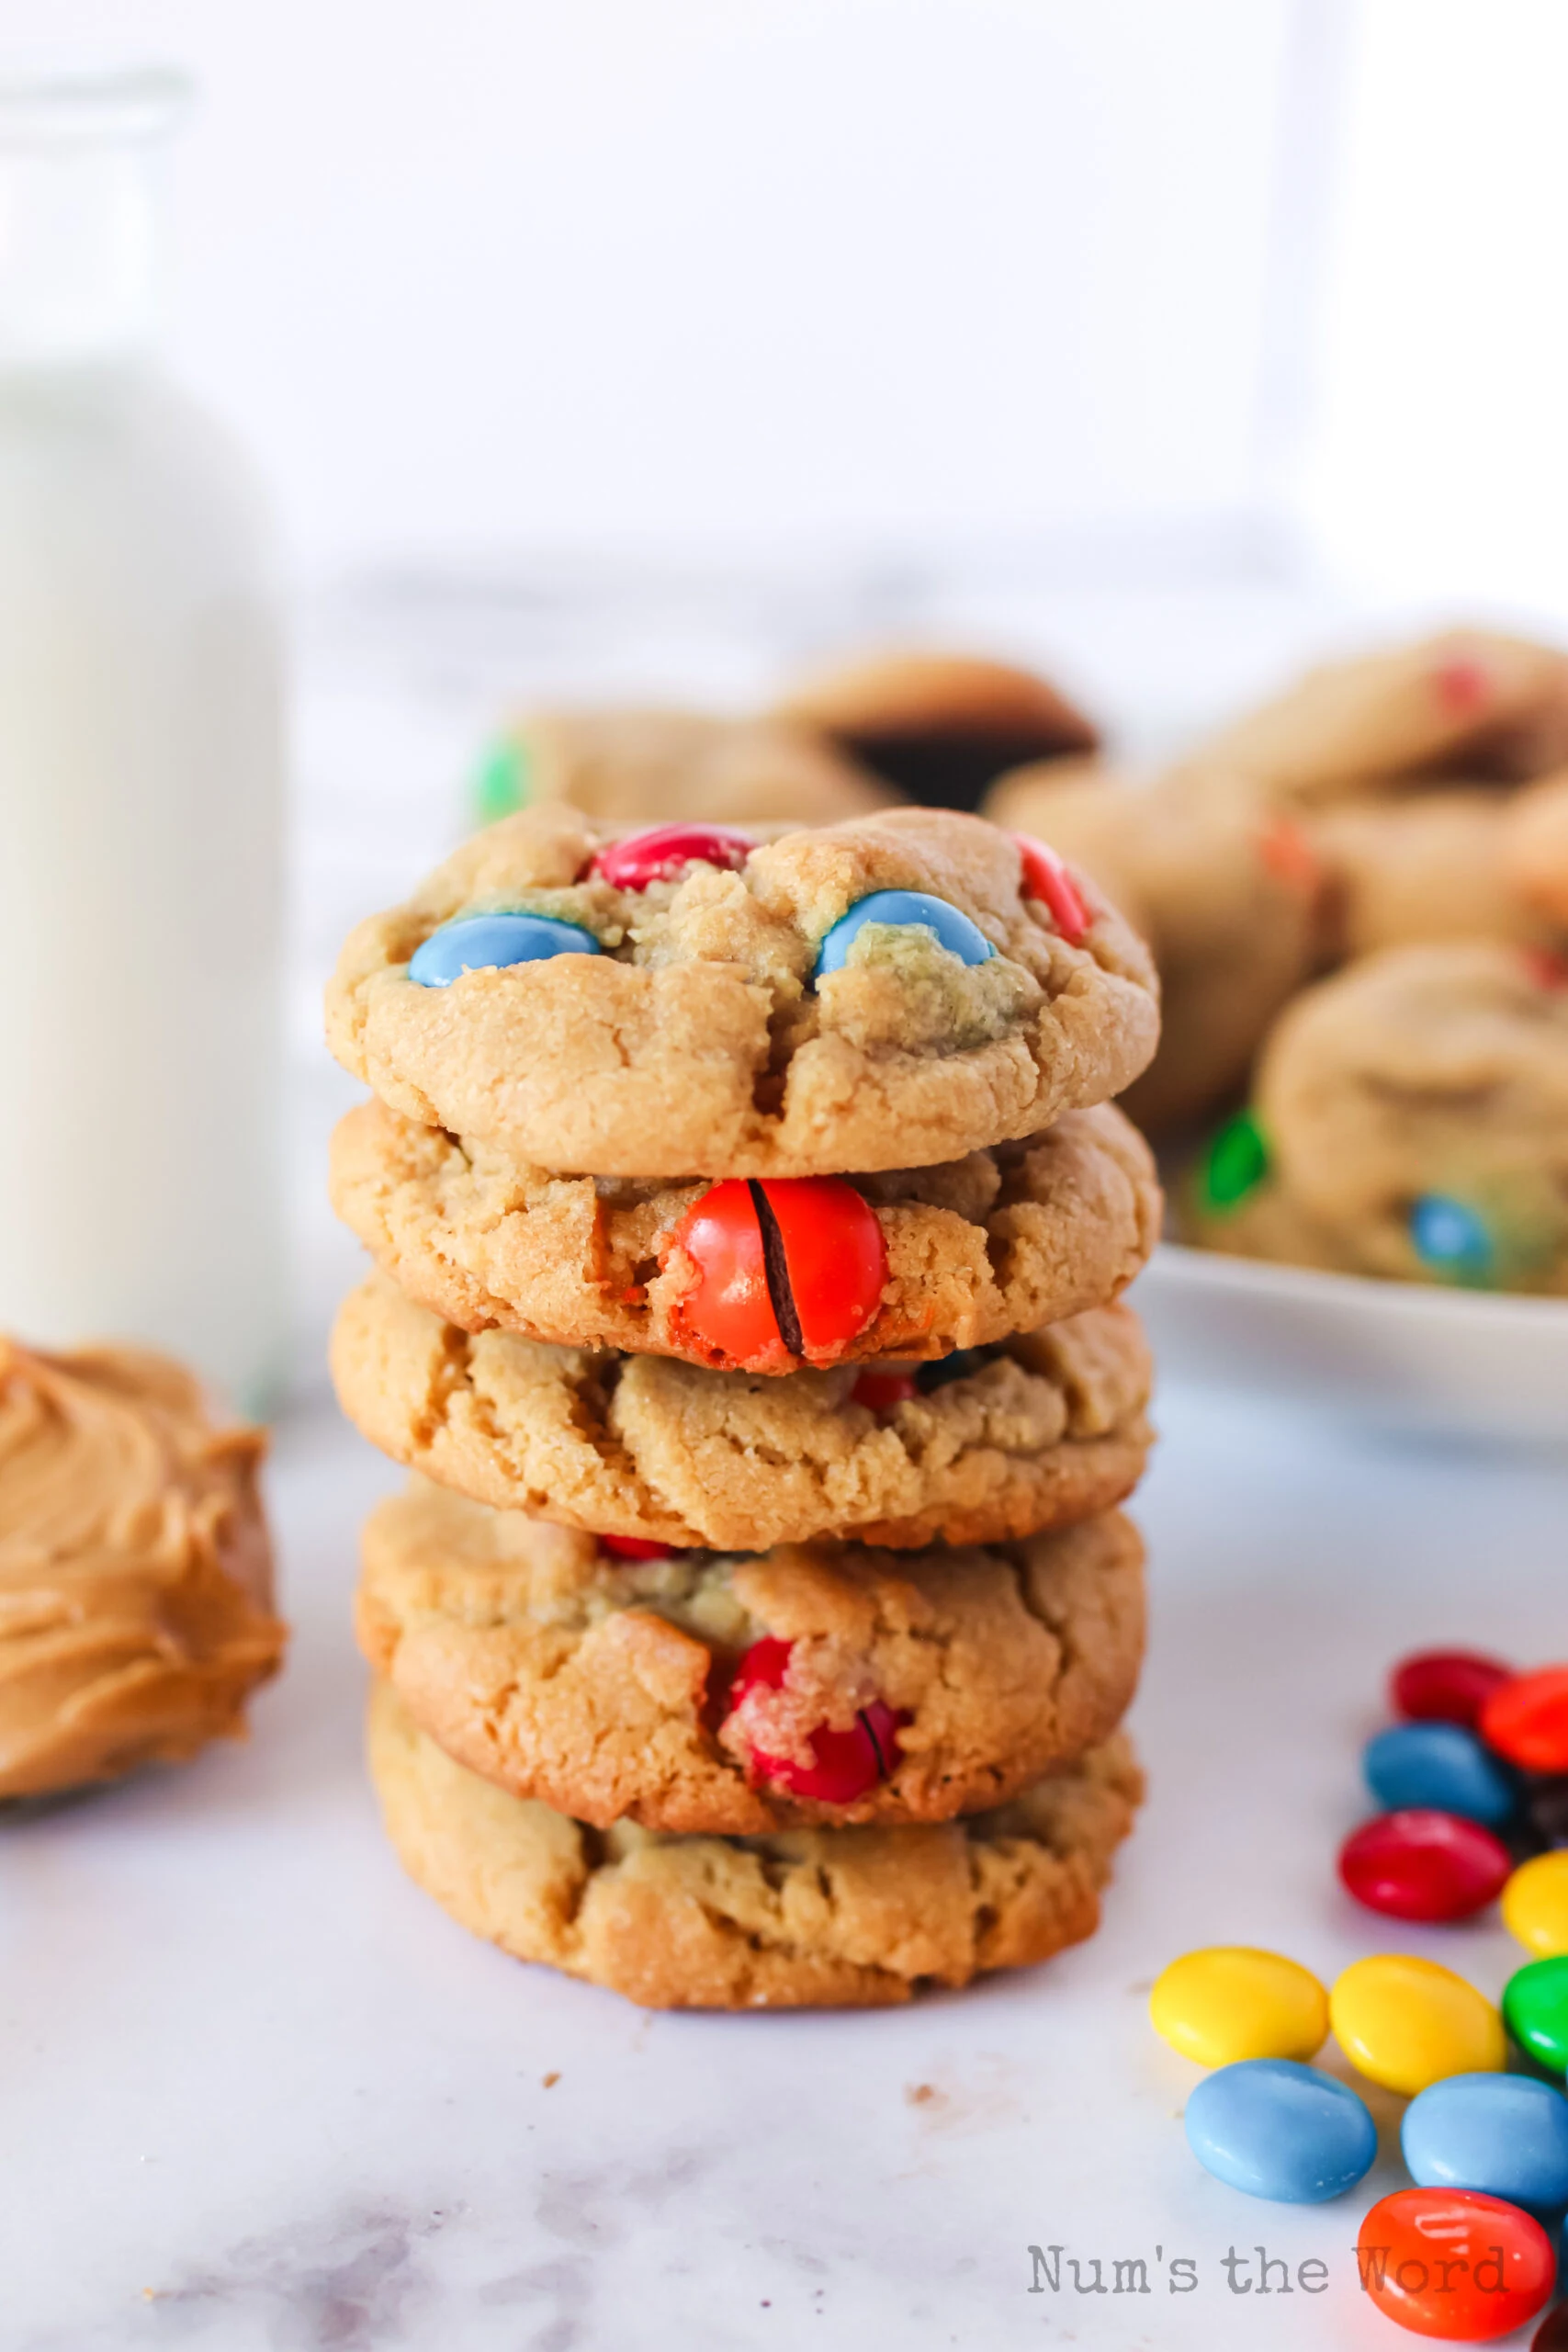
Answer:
(634, 766)
(1456, 863)
(1410, 1120)
(939, 727)
(1467, 704)
(1534, 853)
(1225, 893)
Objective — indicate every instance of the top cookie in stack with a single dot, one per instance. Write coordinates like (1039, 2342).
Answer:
(894, 991)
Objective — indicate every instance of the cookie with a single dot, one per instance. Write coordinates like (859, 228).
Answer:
(1227, 893)
(1414, 1114)
(631, 766)
(806, 1918)
(1467, 704)
(1045, 1428)
(695, 1691)
(892, 992)
(135, 1574)
(1427, 867)
(999, 1241)
(1534, 853)
(939, 727)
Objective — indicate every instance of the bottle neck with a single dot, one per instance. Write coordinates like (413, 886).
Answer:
(81, 218)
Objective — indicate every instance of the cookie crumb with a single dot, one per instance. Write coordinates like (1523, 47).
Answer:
(550, 2081)
(920, 2094)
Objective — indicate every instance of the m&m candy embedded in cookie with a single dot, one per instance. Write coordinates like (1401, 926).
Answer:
(492, 942)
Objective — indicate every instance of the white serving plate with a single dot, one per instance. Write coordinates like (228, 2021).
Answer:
(1391, 1355)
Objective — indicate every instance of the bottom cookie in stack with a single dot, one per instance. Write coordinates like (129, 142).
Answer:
(722, 1781)
(798, 1919)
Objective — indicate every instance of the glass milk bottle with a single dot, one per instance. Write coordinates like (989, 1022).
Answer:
(141, 783)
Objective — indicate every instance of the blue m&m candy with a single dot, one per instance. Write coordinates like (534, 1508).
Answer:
(1281, 2130)
(486, 943)
(1504, 2134)
(953, 928)
(1451, 1239)
(1441, 1766)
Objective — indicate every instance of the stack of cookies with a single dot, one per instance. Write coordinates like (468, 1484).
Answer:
(748, 1218)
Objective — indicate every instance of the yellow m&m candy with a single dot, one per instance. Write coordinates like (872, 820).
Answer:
(1232, 2002)
(1535, 1905)
(1405, 2022)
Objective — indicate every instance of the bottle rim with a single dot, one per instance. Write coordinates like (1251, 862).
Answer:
(55, 105)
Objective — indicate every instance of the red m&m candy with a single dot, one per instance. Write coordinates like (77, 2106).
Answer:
(1446, 1686)
(632, 1547)
(789, 1269)
(730, 1305)
(1285, 850)
(658, 855)
(1047, 879)
(1454, 2264)
(1420, 1864)
(845, 1764)
(1546, 969)
(1527, 1720)
(835, 1261)
(1462, 685)
(880, 1391)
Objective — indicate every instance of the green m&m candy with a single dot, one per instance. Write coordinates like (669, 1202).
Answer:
(1535, 2011)
(1236, 1163)
(501, 781)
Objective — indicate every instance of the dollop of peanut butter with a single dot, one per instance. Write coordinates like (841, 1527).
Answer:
(135, 1569)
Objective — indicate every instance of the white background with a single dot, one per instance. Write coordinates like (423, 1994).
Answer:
(507, 273)
(494, 273)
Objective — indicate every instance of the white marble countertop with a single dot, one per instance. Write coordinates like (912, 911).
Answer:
(259, 2092)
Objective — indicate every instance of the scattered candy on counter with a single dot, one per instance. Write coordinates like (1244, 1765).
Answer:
(1236, 1164)
(1281, 2130)
(788, 1268)
(1475, 1781)
(952, 926)
(1535, 1903)
(1553, 2333)
(1406, 2023)
(1047, 879)
(658, 855)
(1446, 1686)
(1452, 1238)
(1527, 1720)
(490, 942)
(1505, 2134)
(1233, 2001)
(1437, 1767)
(1535, 2007)
(1450, 2263)
(1462, 2255)
(1544, 1811)
(1417, 1864)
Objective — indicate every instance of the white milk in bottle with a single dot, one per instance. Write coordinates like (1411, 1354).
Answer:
(141, 788)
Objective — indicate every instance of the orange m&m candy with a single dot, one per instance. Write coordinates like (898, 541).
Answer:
(1527, 1720)
(1453, 2263)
